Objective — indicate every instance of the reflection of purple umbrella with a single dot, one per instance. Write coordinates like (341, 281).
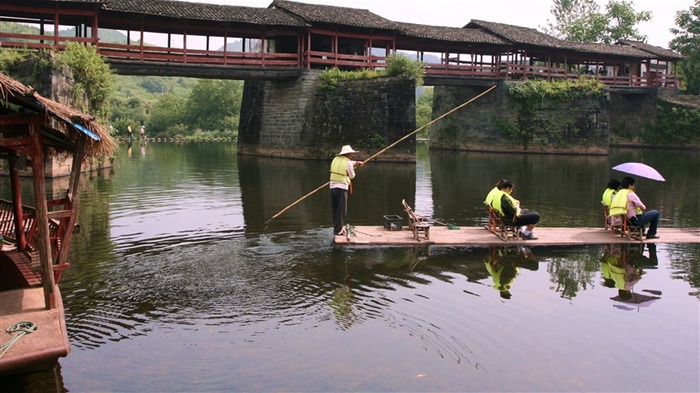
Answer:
(639, 169)
(635, 299)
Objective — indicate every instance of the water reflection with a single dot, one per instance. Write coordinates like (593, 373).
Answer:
(504, 263)
(622, 267)
(173, 260)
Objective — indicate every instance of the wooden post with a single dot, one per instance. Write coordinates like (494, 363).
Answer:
(73, 197)
(42, 221)
(17, 203)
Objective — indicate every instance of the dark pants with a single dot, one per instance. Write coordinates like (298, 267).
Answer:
(339, 204)
(527, 218)
(650, 217)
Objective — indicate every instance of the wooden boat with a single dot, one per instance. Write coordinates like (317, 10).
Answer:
(36, 239)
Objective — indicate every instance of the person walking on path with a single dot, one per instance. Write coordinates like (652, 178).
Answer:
(341, 174)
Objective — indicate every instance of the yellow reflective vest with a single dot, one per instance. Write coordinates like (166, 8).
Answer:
(619, 203)
(496, 203)
(608, 195)
(339, 170)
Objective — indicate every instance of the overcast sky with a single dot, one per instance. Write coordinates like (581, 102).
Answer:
(457, 13)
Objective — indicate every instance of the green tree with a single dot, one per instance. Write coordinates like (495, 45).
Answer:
(214, 105)
(166, 117)
(92, 75)
(687, 43)
(582, 21)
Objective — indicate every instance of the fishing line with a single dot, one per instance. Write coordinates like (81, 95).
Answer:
(382, 151)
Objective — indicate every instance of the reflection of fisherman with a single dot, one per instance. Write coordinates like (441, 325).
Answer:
(503, 266)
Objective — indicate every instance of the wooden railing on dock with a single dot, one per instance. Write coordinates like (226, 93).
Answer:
(29, 229)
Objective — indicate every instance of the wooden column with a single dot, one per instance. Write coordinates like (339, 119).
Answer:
(73, 197)
(42, 222)
(17, 203)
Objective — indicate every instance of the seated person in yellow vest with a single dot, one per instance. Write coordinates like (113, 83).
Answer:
(509, 208)
(494, 191)
(342, 173)
(610, 191)
(626, 202)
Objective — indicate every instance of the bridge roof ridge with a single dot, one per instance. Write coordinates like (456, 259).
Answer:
(205, 12)
(320, 13)
(454, 34)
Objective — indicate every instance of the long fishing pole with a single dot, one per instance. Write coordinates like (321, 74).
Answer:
(384, 150)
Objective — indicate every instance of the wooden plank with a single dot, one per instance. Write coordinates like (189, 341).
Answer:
(480, 236)
(41, 348)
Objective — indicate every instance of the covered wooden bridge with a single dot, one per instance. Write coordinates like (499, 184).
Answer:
(165, 37)
(36, 235)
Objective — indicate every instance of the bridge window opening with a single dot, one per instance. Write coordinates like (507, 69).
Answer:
(286, 44)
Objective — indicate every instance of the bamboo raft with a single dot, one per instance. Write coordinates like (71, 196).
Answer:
(481, 236)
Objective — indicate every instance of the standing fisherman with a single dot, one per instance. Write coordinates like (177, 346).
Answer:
(342, 173)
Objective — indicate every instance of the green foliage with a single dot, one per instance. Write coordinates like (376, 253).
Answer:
(214, 105)
(687, 42)
(167, 115)
(582, 21)
(424, 112)
(536, 91)
(676, 124)
(10, 58)
(91, 73)
(531, 95)
(507, 129)
(398, 65)
(330, 77)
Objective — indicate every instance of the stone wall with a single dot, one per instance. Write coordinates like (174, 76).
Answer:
(297, 119)
(496, 123)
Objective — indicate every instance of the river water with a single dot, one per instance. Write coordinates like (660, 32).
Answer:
(179, 284)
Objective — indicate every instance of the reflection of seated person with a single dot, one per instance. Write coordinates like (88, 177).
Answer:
(623, 274)
(503, 266)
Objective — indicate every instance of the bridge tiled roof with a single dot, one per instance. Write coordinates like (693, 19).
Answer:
(610, 50)
(315, 13)
(453, 34)
(206, 12)
(519, 35)
(661, 53)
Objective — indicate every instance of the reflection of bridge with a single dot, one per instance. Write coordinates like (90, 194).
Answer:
(166, 37)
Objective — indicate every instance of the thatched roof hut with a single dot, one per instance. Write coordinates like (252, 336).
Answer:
(63, 126)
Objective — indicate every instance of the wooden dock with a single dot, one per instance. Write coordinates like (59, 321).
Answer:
(480, 236)
(37, 350)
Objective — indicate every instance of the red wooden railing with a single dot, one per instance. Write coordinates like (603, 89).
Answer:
(318, 59)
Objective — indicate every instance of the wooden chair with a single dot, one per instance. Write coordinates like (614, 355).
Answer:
(417, 223)
(607, 224)
(621, 226)
(506, 229)
(494, 221)
(499, 226)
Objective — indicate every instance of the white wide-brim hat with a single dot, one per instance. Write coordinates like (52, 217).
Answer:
(346, 150)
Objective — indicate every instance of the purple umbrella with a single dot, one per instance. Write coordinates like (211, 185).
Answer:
(639, 169)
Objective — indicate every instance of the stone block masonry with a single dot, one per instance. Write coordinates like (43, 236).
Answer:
(495, 123)
(298, 119)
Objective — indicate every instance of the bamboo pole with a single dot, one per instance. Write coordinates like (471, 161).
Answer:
(385, 149)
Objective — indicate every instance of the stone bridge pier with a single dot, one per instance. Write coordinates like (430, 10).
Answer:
(298, 118)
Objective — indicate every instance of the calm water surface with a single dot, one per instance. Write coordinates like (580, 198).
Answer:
(177, 284)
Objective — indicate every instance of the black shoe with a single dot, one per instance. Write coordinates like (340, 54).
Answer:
(652, 237)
